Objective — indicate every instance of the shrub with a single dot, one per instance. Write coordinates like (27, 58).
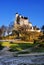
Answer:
(1, 47)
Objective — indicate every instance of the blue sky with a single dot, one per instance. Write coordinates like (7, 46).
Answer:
(33, 9)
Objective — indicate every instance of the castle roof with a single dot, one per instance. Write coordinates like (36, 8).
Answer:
(24, 17)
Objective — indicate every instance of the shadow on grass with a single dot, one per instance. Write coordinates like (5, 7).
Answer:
(24, 45)
(1, 47)
(38, 47)
(19, 46)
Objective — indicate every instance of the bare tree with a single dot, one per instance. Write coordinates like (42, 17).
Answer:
(10, 27)
(3, 30)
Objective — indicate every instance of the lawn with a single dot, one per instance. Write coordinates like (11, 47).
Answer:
(16, 46)
(8, 44)
(35, 47)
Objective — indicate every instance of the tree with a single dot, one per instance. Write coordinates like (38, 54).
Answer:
(3, 30)
(42, 29)
(41, 37)
(8, 30)
(15, 32)
(23, 32)
(10, 27)
(0, 33)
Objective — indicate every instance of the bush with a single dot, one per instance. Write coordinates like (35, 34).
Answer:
(1, 47)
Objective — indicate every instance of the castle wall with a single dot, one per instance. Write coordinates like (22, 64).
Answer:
(24, 21)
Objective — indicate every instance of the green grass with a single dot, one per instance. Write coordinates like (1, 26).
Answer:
(38, 47)
(5, 44)
(16, 46)
(22, 46)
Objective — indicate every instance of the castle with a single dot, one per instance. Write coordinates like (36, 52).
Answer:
(21, 20)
